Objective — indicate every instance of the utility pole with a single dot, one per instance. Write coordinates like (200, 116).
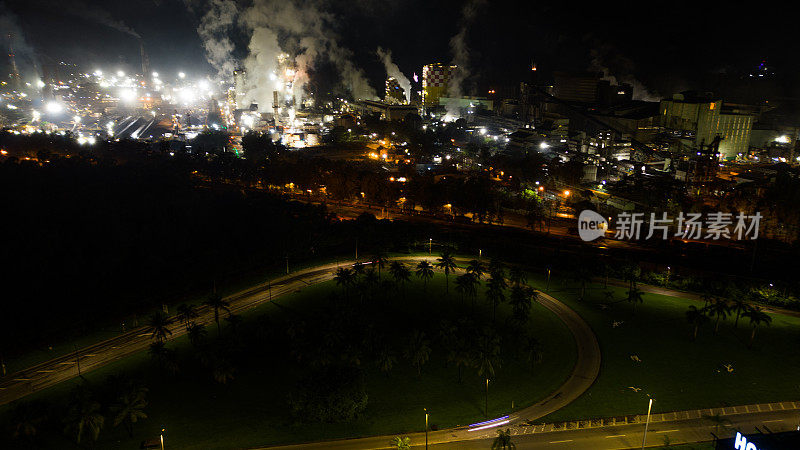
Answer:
(287, 264)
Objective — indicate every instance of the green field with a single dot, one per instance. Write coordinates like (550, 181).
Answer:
(252, 410)
(678, 373)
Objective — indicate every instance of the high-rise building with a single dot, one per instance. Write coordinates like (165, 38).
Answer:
(435, 78)
(706, 118)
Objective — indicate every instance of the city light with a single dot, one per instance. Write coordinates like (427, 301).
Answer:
(54, 107)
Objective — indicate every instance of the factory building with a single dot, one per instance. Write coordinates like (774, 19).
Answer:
(589, 87)
(387, 111)
(705, 118)
(394, 93)
(435, 78)
(239, 88)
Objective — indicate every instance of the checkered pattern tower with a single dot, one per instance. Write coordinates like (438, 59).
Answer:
(435, 78)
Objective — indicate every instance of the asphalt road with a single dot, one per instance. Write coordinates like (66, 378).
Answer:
(678, 431)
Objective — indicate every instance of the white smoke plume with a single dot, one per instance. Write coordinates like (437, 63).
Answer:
(393, 71)
(82, 10)
(214, 30)
(13, 35)
(460, 51)
(304, 31)
(623, 72)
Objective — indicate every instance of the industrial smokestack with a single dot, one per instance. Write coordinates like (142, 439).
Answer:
(145, 61)
(12, 61)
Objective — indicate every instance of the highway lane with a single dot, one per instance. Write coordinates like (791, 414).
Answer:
(678, 431)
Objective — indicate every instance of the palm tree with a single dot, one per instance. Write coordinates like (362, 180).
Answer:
(496, 268)
(358, 269)
(635, 296)
(234, 321)
(487, 353)
(447, 263)
(381, 260)
(400, 272)
(582, 275)
(385, 361)
(129, 409)
(503, 441)
(401, 443)
(462, 284)
(216, 302)
(520, 301)
(739, 306)
(164, 357)
(418, 351)
(757, 317)
(425, 272)
(344, 277)
(630, 273)
(158, 326)
(517, 276)
(476, 268)
(84, 417)
(186, 313)
(197, 334)
(719, 309)
(223, 371)
(461, 356)
(532, 349)
(495, 294)
(25, 420)
(696, 317)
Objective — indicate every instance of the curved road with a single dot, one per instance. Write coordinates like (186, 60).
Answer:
(49, 373)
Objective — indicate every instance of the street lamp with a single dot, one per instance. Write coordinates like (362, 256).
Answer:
(430, 246)
(647, 422)
(487, 397)
(547, 288)
(162, 439)
(426, 428)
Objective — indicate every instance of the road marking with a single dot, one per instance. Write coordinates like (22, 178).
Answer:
(616, 435)
(770, 421)
(665, 431)
(45, 371)
(561, 442)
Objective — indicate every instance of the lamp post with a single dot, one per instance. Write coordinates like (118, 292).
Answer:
(162, 439)
(426, 428)
(647, 422)
(430, 246)
(487, 398)
(547, 288)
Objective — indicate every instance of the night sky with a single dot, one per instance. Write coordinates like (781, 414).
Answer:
(666, 48)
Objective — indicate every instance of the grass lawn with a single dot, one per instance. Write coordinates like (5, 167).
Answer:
(678, 373)
(252, 410)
